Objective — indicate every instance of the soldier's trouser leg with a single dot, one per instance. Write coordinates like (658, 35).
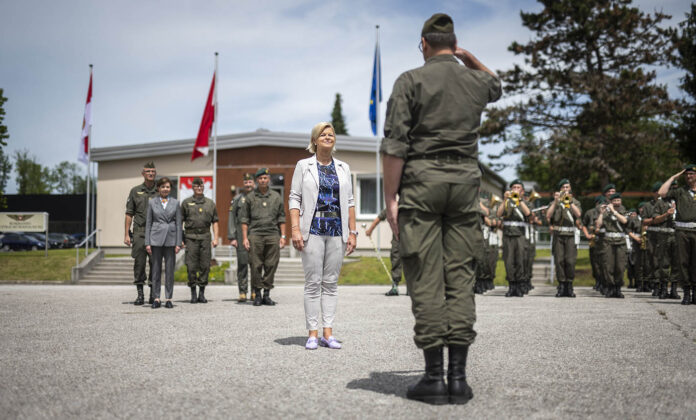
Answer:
(686, 248)
(439, 235)
(616, 263)
(558, 250)
(493, 260)
(593, 264)
(513, 254)
(651, 274)
(256, 260)
(570, 257)
(271, 257)
(242, 269)
(661, 258)
(204, 257)
(141, 260)
(674, 275)
(395, 261)
(193, 251)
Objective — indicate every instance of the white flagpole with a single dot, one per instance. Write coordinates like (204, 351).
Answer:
(215, 124)
(89, 157)
(378, 76)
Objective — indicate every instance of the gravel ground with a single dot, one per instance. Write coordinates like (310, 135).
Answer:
(87, 352)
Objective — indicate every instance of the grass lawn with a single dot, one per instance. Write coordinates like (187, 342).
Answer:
(23, 266)
(217, 274)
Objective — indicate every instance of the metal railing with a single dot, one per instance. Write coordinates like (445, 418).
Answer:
(78, 246)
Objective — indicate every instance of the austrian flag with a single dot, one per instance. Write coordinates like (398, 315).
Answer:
(83, 154)
(202, 141)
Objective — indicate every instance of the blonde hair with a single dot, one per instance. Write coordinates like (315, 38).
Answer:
(316, 131)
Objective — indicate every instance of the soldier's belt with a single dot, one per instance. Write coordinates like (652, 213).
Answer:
(685, 225)
(564, 229)
(615, 234)
(661, 229)
(197, 231)
(515, 224)
(327, 214)
(450, 157)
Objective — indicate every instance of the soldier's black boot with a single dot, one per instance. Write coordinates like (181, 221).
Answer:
(257, 297)
(693, 296)
(673, 294)
(559, 290)
(662, 294)
(571, 292)
(201, 295)
(266, 300)
(687, 296)
(509, 291)
(459, 391)
(655, 289)
(140, 300)
(194, 298)
(618, 293)
(151, 299)
(431, 387)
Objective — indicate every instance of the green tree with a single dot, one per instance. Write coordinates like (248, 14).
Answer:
(685, 42)
(587, 98)
(32, 178)
(66, 178)
(337, 117)
(5, 165)
(4, 135)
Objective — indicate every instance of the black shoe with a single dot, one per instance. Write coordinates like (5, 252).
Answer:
(617, 293)
(655, 290)
(266, 300)
(560, 290)
(431, 387)
(673, 294)
(687, 296)
(662, 294)
(201, 295)
(394, 291)
(693, 296)
(156, 304)
(509, 292)
(518, 290)
(194, 298)
(570, 291)
(168, 304)
(459, 391)
(258, 298)
(140, 300)
(151, 300)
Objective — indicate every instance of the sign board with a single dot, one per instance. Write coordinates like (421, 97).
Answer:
(23, 222)
(186, 189)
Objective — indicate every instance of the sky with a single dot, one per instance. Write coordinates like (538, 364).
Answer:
(280, 64)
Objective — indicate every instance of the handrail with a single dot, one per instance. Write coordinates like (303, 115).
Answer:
(78, 246)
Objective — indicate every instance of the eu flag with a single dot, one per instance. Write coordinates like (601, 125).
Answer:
(376, 85)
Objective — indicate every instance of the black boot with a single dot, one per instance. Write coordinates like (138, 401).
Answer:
(257, 297)
(673, 294)
(655, 289)
(693, 296)
(140, 300)
(571, 293)
(510, 289)
(431, 387)
(266, 300)
(617, 292)
(559, 290)
(151, 300)
(662, 293)
(687, 296)
(201, 295)
(194, 298)
(459, 390)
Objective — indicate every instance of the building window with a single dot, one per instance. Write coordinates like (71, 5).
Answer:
(367, 196)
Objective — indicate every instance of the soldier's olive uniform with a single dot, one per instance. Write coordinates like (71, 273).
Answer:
(432, 119)
(649, 273)
(234, 231)
(483, 274)
(514, 242)
(262, 213)
(396, 269)
(530, 253)
(136, 206)
(565, 251)
(198, 214)
(615, 249)
(661, 236)
(588, 220)
(685, 226)
(633, 259)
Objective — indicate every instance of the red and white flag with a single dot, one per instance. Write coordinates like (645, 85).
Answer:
(202, 141)
(83, 154)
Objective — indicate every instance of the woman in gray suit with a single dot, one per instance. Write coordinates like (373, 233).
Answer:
(163, 236)
(322, 212)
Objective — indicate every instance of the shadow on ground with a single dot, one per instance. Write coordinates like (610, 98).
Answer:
(388, 383)
(291, 341)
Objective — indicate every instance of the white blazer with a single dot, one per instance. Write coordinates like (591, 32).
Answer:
(304, 192)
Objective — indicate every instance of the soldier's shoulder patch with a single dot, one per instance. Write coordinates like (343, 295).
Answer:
(243, 200)
(140, 192)
(191, 203)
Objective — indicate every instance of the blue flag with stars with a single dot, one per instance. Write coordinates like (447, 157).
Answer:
(376, 80)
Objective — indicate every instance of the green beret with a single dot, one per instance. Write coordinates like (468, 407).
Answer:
(632, 210)
(438, 23)
(598, 198)
(248, 176)
(516, 181)
(615, 195)
(642, 204)
(608, 187)
(563, 182)
(262, 171)
(197, 181)
(149, 165)
(690, 167)
(656, 186)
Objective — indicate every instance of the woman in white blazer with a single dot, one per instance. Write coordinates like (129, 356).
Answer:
(163, 236)
(322, 215)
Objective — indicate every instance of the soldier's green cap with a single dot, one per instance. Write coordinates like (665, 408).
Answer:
(690, 167)
(656, 186)
(642, 204)
(608, 187)
(615, 195)
(515, 182)
(197, 181)
(563, 182)
(438, 23)
(601, 199)
(248, 176)
(262, 171)
(632, 210)
(149, 165)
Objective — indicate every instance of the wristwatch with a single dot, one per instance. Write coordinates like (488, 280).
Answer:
(354, 232)
(283, 236)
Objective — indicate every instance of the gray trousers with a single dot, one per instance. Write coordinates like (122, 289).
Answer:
(322, 258)
(158, 252)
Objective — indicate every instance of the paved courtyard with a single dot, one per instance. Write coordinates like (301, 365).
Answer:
(87, 352)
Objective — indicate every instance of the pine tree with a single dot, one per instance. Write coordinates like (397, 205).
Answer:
(685, 43)
(337, 117)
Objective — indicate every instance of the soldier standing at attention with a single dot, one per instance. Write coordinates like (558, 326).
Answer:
(588, 229)
(199, 213)
(430, 156)
(263, 232)
(136, 212)
(514, 212)
(562, 215)
(685, 226)
(393, 255)
(633, 230)
(612, 218)
(660, 230)
(234, 234)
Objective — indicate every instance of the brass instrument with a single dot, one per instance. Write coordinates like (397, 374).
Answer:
(644, 239)
(566, 200)
(515, 196)
(494, 200)
(533, 196)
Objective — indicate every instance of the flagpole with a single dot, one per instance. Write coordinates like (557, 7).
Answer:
(215, 124)
(378, 76)
(87, 188)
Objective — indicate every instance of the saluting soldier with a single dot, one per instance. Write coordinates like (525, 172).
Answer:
(563, 215)
(612, 217)
(136, 213)
(685, 226)
(430, 155)
(234, 234)
(393, 254)
(514, 212)
(263, 232)
(199, 213)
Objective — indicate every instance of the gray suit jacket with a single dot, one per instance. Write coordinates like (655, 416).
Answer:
(163, 226)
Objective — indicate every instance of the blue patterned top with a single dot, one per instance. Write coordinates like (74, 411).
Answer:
(328, 201)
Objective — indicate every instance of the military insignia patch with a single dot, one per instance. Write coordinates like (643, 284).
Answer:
(264, 204)
(200, 210)
(192, 204)
(140, 192)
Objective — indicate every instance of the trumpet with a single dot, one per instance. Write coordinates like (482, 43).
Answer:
(533, 196)
(566, 200)
(494, 200)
